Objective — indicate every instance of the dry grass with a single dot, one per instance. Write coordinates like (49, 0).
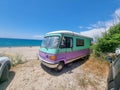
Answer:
(85, 80)
(15, 58)
(95, 70)
(97, 66)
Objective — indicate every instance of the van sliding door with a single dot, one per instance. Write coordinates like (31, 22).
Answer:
(68, 42)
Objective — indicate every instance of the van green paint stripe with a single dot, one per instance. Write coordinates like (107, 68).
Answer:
(56, 51)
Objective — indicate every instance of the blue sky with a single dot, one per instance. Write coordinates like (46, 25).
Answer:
(33, 18)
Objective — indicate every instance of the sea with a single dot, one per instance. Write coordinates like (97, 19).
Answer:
(12, 42)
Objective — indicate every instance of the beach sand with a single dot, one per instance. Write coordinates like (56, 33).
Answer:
(32, 75)
(26, 52)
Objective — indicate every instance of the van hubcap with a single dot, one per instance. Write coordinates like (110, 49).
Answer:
(59, 67)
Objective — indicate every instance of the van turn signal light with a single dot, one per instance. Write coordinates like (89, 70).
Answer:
(52, 57)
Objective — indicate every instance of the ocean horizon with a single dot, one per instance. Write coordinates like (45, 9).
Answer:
(14, 42)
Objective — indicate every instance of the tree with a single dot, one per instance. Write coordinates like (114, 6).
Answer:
(109, 41)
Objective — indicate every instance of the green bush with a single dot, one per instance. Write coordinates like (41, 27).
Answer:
(109, 42)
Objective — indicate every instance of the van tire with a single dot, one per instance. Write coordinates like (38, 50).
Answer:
(5, 74)
(60, 66)
(87, 57)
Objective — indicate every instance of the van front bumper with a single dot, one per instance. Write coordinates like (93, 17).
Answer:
(48, 64)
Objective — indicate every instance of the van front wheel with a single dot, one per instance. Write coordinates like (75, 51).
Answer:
(60, 66)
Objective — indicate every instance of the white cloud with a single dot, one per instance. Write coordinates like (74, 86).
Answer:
(81, 27)
(116, 16)
(89, 27)
(96, 30)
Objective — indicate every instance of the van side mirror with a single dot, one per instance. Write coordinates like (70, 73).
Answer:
(62, 46)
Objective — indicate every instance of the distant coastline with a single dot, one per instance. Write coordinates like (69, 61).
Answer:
(14, 42)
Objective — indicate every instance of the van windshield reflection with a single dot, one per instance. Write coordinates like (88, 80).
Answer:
(50, 42)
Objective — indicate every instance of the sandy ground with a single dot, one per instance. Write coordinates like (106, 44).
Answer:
(26, 52)
(34, 76)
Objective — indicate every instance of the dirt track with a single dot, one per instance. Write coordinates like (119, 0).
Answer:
(34, 76)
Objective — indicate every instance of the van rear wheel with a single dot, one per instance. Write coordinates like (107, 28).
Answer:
(87, 57)
(60, 66)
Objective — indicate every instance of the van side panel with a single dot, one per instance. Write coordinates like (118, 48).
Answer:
(86, 43)
(75, 51)
(72, 55)
(66, 56)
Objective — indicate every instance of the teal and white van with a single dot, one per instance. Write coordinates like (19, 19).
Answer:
(61, 47)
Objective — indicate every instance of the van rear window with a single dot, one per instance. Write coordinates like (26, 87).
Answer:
(79, 42)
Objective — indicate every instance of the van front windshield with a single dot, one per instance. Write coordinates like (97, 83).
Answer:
(50, 42)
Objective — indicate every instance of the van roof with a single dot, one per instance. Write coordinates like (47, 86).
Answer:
(67, 32)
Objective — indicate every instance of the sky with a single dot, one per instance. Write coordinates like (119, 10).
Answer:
(32, 19)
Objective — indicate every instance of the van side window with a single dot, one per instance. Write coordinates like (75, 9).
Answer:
(79, 42)
(68, 42)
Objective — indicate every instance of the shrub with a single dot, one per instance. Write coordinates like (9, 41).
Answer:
(15, 59)
(109, 42)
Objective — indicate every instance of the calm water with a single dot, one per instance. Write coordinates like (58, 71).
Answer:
(8, 42)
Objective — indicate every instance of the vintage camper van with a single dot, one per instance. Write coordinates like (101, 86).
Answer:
(61, 47)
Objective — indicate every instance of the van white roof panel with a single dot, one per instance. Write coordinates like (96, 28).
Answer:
(67, 32)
